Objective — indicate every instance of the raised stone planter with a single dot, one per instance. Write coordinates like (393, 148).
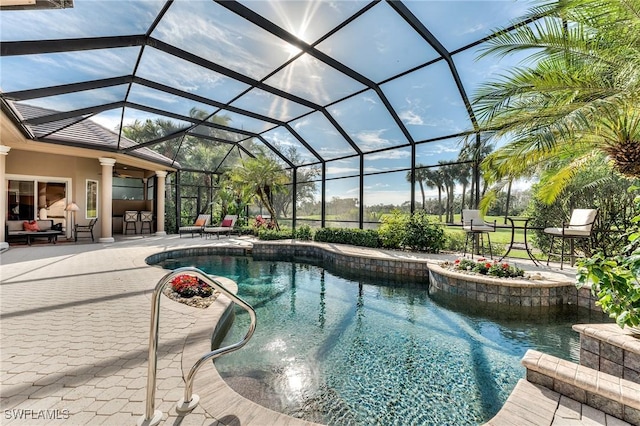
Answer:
(610, 349)
(509, 291)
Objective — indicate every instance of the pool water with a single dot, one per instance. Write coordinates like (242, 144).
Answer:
(351, 351)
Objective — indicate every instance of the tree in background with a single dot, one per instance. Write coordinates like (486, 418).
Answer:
(577, 97)
(306, 188)
(261, 176)
(201, 154)
(597, 186)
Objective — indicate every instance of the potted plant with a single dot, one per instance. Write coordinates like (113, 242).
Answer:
(616, 280)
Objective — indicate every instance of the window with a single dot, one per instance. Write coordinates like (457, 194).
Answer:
(92, 199)
(128, 189)
(151, 182)
(21, 199)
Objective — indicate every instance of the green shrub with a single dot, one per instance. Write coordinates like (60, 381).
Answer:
(454, 241)
(423, 235)
(616, 279)
(392, 229)
(273, 234)
(356, 237)
(303, 233)
(246, 230)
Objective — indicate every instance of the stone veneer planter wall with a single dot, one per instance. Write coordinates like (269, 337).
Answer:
(333, 257)
(513, 292)
(610, 349)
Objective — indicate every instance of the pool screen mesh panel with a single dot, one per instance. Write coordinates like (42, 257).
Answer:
(311, 81)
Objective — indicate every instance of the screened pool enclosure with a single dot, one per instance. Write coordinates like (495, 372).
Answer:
(366, 104)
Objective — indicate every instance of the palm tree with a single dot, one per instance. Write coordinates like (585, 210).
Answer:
(434, 179)
(421, 174)
(580, 96)
(448, 174)
(262, 176)
(463, 174)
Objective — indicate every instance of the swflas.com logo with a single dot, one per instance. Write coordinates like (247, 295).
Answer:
(28, 414)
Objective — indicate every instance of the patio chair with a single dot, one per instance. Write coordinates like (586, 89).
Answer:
(130, 218)
(475, 227)
(226, 225)
(197, 227)
(77, 228)
(580, 226)
(146, 217)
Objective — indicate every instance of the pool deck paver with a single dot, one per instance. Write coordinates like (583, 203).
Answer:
(74, 329)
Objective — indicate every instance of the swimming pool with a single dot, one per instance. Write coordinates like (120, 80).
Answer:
(352, 351)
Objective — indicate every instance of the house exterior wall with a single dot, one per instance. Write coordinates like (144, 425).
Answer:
(31, 159)
(77, 170)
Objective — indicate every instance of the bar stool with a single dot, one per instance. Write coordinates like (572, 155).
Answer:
(130, 218)
(146, 217)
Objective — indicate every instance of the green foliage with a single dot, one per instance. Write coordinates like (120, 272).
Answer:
(303, 233)
(616, 279)
(275, 234)
(415, 232)
(356, 237)
(392, 230)
(262, 177)
(573, 97)
(246, 230)
(597, 187)
(454, 241)
(421, 234)
(485, 267)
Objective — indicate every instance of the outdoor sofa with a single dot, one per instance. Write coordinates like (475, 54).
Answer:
(16, 230)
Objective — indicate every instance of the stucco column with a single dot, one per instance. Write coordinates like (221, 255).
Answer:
(4, 151)
(161, 174)
(106, 203)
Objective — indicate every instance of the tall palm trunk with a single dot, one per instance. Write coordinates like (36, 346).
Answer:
(424, 199)
(264, 199)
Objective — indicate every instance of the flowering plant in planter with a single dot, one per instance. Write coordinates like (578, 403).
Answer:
(189, 286)
(485, 267)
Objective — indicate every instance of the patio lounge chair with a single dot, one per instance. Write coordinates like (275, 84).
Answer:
(226, 225)
(197, 227)
(579, 226)
(475, 227)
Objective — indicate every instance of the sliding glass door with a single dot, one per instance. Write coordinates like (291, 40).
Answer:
(37, 197)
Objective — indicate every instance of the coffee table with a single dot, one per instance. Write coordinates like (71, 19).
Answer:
(51, 235)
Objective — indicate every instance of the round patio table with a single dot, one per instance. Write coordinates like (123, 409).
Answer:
(520, 222)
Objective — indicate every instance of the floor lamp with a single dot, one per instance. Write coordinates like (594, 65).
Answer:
(73, 208)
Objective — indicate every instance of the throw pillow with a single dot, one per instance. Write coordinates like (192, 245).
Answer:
(200, 222)
(226, 223)
(30, 225)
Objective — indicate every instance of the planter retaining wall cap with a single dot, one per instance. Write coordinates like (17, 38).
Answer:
(557, 280)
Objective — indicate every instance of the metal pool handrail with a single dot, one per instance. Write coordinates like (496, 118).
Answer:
(190, 401)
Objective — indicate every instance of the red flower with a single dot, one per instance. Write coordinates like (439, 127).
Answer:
(488, 265)
(505, 266)
(457, 261)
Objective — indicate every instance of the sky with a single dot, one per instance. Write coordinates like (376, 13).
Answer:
(378, 46)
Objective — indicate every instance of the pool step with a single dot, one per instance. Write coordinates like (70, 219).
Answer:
(559, 391)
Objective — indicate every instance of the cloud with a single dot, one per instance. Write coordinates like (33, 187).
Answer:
(342, 171)
(410, 117)
(372, 139)
(473, 29)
